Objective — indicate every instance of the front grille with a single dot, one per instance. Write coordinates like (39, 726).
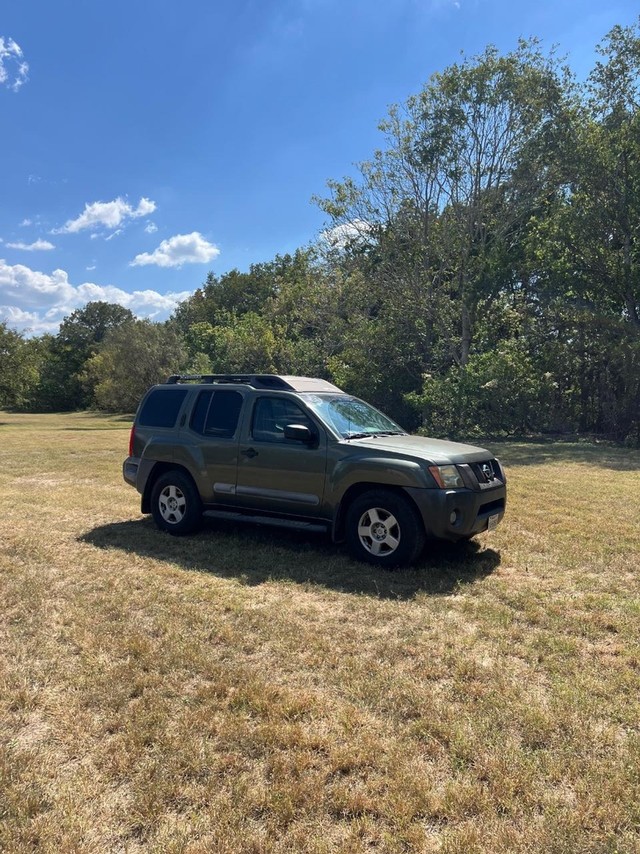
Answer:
(487, 471)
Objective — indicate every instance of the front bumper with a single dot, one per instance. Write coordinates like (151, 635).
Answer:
(472, 510)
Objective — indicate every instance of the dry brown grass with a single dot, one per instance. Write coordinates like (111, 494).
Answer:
(256, 691)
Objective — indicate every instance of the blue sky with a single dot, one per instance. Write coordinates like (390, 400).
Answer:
(147, 142)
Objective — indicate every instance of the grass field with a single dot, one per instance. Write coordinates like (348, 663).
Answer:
(248, 690)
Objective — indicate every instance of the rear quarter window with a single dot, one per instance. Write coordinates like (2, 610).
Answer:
(216, 413)
(161, 407)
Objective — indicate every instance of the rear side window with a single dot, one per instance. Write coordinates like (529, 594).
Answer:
(216, 413)
(161, 408)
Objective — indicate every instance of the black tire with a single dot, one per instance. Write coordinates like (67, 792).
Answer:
(383, 528)
(175, 503)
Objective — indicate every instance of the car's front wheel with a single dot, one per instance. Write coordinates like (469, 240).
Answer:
(383, 528)
(175, 503)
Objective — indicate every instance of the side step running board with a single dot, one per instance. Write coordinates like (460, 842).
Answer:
(295, 524)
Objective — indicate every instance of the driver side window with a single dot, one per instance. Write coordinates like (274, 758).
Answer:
(272, 414)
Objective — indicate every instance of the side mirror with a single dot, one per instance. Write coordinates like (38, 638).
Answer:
(299, 433)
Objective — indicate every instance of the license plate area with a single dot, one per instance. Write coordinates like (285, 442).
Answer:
(492, 522)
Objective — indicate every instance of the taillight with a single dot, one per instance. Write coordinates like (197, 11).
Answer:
(132, 436)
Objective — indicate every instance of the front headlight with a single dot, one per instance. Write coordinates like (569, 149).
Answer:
(447, 477)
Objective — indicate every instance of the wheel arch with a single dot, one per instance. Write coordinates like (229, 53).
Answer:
(338, 532)
(157, 471)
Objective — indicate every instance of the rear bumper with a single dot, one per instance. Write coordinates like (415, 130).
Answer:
(472, 510)
(130, 471)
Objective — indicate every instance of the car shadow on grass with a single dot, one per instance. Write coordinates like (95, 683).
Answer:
(254, 555)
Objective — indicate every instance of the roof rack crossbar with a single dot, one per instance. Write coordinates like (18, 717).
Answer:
(255, 380)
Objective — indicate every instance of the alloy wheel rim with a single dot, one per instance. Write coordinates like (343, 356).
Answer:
(172, 504)
(379, 531)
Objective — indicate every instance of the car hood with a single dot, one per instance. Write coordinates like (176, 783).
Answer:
(437, 451)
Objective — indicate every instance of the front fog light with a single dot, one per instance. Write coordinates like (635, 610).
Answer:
(447, 477)
(453, 518)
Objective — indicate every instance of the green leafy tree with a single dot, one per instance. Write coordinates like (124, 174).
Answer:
(460, 173)
(246, 344)
(587, 247)
(63, 383)
(295, 325)
(235, 292)
(502, 392)
(20, 361)
(132, 356)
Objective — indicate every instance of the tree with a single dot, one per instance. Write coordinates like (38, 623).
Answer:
(62, 386)
(461, 172)
(437, 219)
(19, 368)
(587, 247)
(283, 316)
(132, 356)
(247, 344)
(234, 292)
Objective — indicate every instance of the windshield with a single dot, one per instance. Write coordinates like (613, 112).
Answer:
(350, 417)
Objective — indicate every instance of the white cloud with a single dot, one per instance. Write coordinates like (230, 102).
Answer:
(113, 234)
(178, 250)
(106, 214)
(14, 71)
(36, 246)
(151, 228)
(20, 319)
(145, 207)
(26, 221)
(341, 236)
(30, 299)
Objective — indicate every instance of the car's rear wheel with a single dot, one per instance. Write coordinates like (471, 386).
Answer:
(383, 528)
(175, 503)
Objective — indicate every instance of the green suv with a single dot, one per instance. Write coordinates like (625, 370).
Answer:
(299, 452)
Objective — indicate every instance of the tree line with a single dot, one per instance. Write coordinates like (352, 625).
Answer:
(479, 275)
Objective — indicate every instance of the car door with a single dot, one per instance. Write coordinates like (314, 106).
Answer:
(277, 474)
(214, 420)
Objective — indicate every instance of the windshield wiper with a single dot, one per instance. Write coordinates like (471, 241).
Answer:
(375, 435)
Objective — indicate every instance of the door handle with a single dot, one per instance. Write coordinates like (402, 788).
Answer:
(250, 452)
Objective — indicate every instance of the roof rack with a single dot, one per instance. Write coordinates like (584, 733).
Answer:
(270, 381)
(255, 380)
